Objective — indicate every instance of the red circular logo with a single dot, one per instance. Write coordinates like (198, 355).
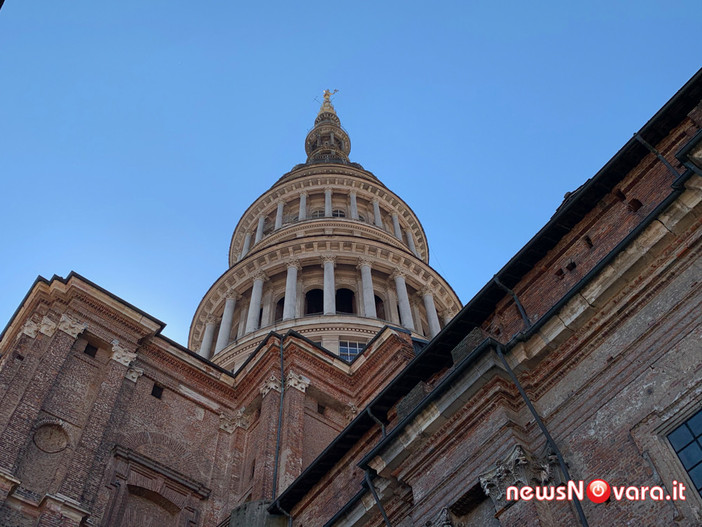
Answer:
(598, 491)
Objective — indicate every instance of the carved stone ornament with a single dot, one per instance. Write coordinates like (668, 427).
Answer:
(226, 423)
(241, 419)
(398, 272)
(294, 262)
(134, 373)
(364, 261)
(328, 258)
(297, 381)
(47, 326)
(30, 328)
(445, 519)
(350, 412)
(121, 355)
(519, 469)
(272, 383)
(71, 326)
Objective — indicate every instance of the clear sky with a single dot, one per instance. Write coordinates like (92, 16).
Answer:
(134, 134)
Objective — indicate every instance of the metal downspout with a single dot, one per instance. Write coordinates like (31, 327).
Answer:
(544, 430)
(377, 499)
(382, 426)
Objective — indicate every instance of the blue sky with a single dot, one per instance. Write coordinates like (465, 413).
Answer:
(135, 134)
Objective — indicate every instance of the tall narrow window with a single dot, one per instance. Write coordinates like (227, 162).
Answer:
(379, 308)
(279, 309)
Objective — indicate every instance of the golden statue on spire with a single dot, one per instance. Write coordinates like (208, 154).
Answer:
(327, 106)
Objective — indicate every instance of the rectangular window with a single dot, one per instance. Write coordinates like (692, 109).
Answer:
(157, 391)
(90, 350)
(349, 349)
(686, 440)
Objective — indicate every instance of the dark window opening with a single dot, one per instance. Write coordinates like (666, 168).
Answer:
(253, 469)
(571, 265)
(321, 408)
(560, 273)
(19, 357)
(588, 241)
(345, 301)
(314, 302)
(620, 195)
(634, 205)
(338, 213)
(157, 391)
(379, 308)
(90, 350)
(317, 214)
(686, 440)
(260, 318)
(279, 309)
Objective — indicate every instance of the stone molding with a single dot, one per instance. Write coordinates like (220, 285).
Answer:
(364, 261)
(71, 326)
(30, 329)
(226, 423)
(350, 412)
(297, 381)
(294, 262)
(65, 506)
(47, 326)
(328, 258)
(133, 374)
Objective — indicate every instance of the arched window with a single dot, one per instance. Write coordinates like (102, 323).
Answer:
(314, 302)
(317, 214)
(338, 213)
(279, 309)
(379, 308)
(345, 301)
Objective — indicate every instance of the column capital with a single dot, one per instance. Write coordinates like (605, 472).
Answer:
(426, 290)
(71, 326)
(295, 380)
(210, 319)
(328, 189)
(328, 258)
(304, 193)
(121, 354)
(398, 272)
(294, 262)
(134, 373)
(232, 295)
(260, 275)
(272, 383)
(364, 261)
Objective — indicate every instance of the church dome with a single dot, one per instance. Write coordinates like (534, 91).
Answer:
(329, 252)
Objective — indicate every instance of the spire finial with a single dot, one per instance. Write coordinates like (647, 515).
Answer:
(327, 105)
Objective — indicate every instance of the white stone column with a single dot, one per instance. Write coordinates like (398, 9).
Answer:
(329, 286)
(403, 300)
(327, 202)
(417, 317)
(354, 205)
(291, 290)
(259, 229)
(242, 323)
(207, 338)
(267, 309)
(448, 317)
(376, 214)
(279, 215)
(368, 293)
(225, 326)
(302, 214)
(247, 245)
(391, 312)
(396, 226)
(410, 243)
(432, 315)
(255, 304)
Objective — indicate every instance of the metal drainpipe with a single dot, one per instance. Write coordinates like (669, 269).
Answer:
(377, 499)
(287, 514)
(656, 153)
(382, 426)
(280, 423)
(520, 307)
(544, 430)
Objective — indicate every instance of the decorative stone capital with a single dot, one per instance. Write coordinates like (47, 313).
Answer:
(294, 262)
(134, 373)
(272, 383)
(398, 272)
(71, 326)
(121, 355)
(304, 193)
(364, 261)
(260, 275)
(328, 258)
(47, 326)
(426, 290)
(30, 328)
(297, 381)
(210, 319)
(518, 469)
